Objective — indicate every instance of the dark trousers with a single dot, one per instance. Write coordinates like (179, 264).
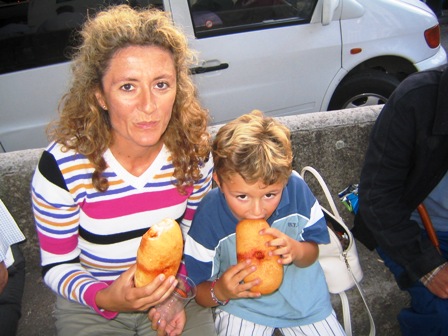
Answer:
(428, 314)
(11, 298)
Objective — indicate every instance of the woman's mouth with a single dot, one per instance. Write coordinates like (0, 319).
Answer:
(146, 124)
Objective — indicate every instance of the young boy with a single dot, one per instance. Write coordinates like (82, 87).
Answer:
(253, 170)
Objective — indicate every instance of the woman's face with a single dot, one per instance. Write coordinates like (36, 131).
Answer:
(139, 89)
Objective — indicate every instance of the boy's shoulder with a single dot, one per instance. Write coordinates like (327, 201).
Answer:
(296, 181)
(210, 198)
(209, 205)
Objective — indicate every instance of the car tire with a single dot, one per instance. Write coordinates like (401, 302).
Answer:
(365, 88)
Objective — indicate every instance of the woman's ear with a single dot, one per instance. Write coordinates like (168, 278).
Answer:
(100, 99)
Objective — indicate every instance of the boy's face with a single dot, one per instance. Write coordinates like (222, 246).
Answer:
(250, 201)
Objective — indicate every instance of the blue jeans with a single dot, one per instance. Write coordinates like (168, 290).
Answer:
(428, 314)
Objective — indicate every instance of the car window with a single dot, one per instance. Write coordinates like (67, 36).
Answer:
(217, 17)
(36, 33)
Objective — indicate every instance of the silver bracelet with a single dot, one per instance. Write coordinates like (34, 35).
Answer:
(427, 278)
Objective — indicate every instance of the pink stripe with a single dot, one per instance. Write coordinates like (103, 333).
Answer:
(57, 245)
(89, 298)
(134, 204)
(189, 214)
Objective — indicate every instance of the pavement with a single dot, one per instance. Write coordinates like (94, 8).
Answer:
(443, 20)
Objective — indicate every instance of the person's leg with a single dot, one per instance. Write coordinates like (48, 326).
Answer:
(329, 326)
(427, 314)
(75, 319)
(231, 325)
(199, 320)
(11, 298)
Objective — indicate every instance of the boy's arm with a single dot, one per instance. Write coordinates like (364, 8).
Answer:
(203, 295)
(304, 253)
(229, 286)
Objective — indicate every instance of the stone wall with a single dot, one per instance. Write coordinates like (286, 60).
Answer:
(332, 142)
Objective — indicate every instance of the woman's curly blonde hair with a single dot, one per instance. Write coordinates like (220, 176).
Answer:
(85, 127)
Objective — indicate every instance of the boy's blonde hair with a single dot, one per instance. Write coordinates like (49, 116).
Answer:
(254, 146)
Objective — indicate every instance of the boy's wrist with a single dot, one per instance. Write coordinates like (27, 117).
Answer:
(213, 294)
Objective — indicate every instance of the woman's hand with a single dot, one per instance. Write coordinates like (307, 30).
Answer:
(123, 296)
(302, 254)
(170, 328)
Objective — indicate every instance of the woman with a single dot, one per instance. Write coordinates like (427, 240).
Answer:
(130, 148)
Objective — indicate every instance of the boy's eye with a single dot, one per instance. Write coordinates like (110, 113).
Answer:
(242, 197)
(270, 195)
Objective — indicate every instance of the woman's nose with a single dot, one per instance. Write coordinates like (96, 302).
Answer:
(148, 102)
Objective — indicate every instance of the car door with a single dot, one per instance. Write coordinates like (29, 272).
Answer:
(34, 68)
(272, 55)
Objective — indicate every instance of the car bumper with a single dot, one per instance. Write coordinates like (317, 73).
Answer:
(436, 61)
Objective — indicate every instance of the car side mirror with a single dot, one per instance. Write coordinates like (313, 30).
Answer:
(328, 9)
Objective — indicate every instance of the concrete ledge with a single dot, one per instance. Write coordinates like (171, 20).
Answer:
(332, 142)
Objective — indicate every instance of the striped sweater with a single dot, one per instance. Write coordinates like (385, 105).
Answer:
(88, 238)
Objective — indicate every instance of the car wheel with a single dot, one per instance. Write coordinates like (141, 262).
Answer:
(362, 89)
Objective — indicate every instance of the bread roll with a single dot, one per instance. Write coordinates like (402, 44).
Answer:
(251, 245)
(160, 251)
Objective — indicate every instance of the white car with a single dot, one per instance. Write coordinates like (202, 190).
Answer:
(283, 57)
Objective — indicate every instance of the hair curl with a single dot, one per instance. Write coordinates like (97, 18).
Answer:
(257, 148)
(85, 127)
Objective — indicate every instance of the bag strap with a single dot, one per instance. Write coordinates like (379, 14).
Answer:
(334, 211)
(361, 293)
(343, 295)
(325, 189)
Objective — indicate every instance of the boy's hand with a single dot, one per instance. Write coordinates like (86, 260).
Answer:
(302, 254)
(285, 246)
(231, 284)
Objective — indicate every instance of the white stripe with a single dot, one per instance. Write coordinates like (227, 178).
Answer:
(230, 325)
(197, 251)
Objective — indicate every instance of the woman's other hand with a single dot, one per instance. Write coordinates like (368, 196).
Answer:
(123, 296)
(170, 328)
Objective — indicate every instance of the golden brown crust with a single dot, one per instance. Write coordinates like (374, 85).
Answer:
(160, 251)
(251, 245)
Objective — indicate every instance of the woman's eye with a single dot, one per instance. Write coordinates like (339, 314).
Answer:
(161, 85)
(127, 87)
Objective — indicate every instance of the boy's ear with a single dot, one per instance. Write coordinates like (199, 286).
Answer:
(216, 179)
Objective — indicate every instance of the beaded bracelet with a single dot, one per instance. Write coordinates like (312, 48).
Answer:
(214, 298)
